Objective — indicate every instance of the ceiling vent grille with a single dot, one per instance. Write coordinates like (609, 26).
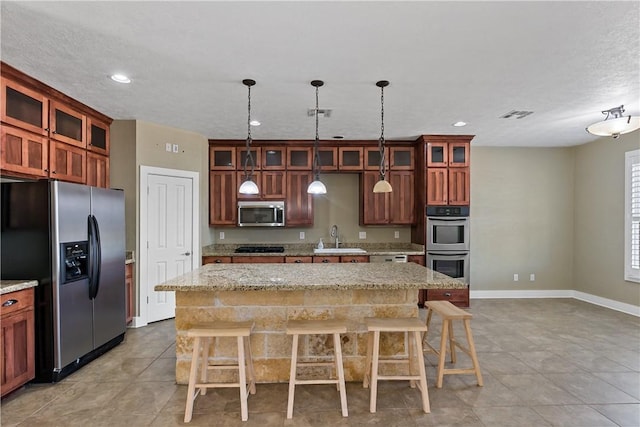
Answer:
(324, 112)
(517, 114)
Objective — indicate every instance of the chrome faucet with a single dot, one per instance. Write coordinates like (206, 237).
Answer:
(334, 234)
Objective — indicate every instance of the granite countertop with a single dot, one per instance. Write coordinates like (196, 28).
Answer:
(8, 286)
(306, 249)
(294, 277)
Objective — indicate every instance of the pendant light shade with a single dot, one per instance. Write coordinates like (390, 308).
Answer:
(382, 186)
(248, 186)
(316, 186)
(615, 124)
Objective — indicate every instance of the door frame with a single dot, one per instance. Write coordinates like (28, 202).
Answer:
(143, 289)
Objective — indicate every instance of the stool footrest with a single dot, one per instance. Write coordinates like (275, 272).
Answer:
(217, 385)
(399, 377)
(336, 381)
(309, 364)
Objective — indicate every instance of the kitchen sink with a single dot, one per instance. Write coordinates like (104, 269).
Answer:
(339, 251)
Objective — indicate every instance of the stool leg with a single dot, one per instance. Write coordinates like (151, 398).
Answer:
(292, 375)
(426, 407)
(443, 352)
(472, 351)
(407, 337)
(242, 380)
(367, 369)
(205, 362)
(452, 342)
(188, 411)
(374, 372)
(249, 362)
(340, 369)
(424, 336)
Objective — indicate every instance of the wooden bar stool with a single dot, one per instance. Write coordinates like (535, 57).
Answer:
(203, 335)
(317, 327)
(414, 328)
(449, 312)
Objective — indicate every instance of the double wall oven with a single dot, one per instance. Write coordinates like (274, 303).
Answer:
(447, 244)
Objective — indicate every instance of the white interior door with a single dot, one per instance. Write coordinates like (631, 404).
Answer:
(169, 239)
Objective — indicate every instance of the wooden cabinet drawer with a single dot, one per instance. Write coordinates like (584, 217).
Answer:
(354, 258)
(459, 297)
(16, 301)
(298, 259)
(258, 259)
(216, 260)
(326, 259)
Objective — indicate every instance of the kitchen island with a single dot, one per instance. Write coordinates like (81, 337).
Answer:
(271, 294)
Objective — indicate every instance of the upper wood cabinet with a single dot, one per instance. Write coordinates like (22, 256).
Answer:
(98, 136)
(328, 157)
(242, 157)
(97, 170)
(397, 207)
(351, 158)
(372, 158)
(67, 162)
(459, 191)
(241, 178)
(274, 157)
(375, 206)
(447, 154)
(24, 108)
(299, 158)
(437, 186)
(299, 203)
(24, 152)
(222, 158)
(274, 185)
(67, 125)
(223, 198)
(401, 158)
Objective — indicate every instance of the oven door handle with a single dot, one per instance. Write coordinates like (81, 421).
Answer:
(439, 218)
(448, 254)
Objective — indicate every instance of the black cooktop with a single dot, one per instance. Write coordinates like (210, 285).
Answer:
(259, 249)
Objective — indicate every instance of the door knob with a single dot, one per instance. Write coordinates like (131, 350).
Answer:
(186, 253)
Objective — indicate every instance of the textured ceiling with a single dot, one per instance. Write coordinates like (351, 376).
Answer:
(446, 61)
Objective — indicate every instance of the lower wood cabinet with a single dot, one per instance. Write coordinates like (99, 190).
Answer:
(298, 259)
(258, 259)
(216, 260)
(354, 258)
(459, 297)
(129, 285)
(17, 343)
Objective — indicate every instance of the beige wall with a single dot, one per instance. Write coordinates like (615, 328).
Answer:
(122, 170)
(521, 218)
(340, 206)
(599, 219)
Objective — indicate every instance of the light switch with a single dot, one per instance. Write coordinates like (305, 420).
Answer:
(362, 235)
(302, 235)
(175, 148)
(222, 235)
(396, 234)
(167, 146)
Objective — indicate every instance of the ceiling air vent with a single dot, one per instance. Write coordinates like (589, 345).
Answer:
(517, 114)
(321, 112)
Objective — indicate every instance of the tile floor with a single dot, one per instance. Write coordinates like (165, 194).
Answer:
(545, 362)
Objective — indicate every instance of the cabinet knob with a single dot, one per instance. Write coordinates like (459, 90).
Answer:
(218, 261)
(46, 129)
(54, 132)
(53, 172)
(297, 261)
(325, 260)
(447, 294)
(10, 302)
(354, 260)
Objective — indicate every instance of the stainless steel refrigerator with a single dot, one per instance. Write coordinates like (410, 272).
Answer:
(71, 238)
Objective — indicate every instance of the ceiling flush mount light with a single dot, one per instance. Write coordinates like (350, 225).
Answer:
(254, 123)
(382, 186)
(120, 78)
(459, 124)
(248, 186)
(316, 186)
(615, 124)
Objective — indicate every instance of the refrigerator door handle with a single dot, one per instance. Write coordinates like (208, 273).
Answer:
(95, 257)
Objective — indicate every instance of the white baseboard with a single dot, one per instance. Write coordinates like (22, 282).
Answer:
(593, 299)
(137, 322)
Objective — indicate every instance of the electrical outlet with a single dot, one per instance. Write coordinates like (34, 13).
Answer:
(516, 277)
(396, 234)
(362, 235)
(167, 147)
(302, 235)
(175, 148)
(532, 277)
(222, 235)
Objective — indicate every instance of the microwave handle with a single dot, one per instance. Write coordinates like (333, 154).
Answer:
(439, 218)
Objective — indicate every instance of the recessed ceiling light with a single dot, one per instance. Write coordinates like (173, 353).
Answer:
(254, 123)
(120, 78)
(459, 124)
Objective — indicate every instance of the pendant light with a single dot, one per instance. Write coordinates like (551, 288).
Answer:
(382, 186)
(316, 186)
(248, 186)
(615, 124)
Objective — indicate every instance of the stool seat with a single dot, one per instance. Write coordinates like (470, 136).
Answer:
(448, 313)
(317, 327)
(412, 328)
(203, 335)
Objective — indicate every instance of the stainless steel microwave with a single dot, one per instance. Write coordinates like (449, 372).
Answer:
(261, 214)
